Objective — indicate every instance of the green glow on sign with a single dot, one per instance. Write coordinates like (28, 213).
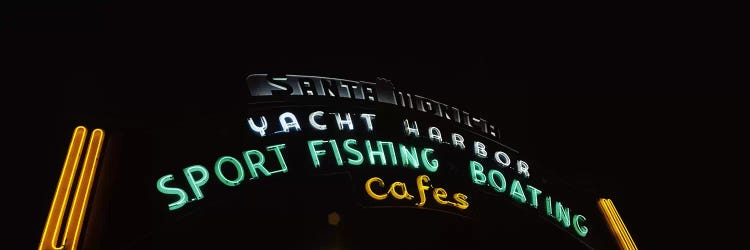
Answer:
(394, 161)
(379, 153)
(277, 150)
(476, 172)
(220, 174)
(315, 153)
(196, 184)
(161, 185)
(431, 165)
(493, 183)
(409, 156)
(562, 214)
(371, 153)
(580, 230)
(517, 192)
(348, 148)
(336, 153)
(548, 203)
(534, 195)
(255, 166)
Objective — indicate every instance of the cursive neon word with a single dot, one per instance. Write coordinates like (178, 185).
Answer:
(399, 191)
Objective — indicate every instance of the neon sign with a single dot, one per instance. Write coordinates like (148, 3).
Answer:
(489, 169)
(75, 218)
(382, 91)
(398, 191)
(198, 175)
(231, 171)
(383, 153)
(363, 158)
(288, 122)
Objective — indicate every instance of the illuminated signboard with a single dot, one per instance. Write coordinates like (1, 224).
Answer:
(340, 147)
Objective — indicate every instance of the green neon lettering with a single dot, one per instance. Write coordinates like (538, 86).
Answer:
(336, 153)
(196, 184)
(315, 153)
(371, 154)
(534, 195)
(161, 185)
(348, 148)
(580, 230)
(430, 165)
(222, 177)
(548, 203)
(254, 166)
(277, 150)
(562, 214)
(409, 156)
(394, 161)
(498, 188)
(517, 192)
(476, 168)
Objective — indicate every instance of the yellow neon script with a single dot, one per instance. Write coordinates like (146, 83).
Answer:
(399, 191)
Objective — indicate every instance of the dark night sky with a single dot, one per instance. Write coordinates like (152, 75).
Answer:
(632, 115)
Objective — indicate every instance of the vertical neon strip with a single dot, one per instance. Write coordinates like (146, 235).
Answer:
(83, 189)
(620, 226)
(62, 193)
(616, 226)
(60, 200)
(624, 229)
(603, 206)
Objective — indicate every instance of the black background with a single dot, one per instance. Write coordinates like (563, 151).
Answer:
(636, 111)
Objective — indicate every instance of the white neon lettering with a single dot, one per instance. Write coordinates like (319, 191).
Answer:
(314, 123)
(288, 120)
(261, 130)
